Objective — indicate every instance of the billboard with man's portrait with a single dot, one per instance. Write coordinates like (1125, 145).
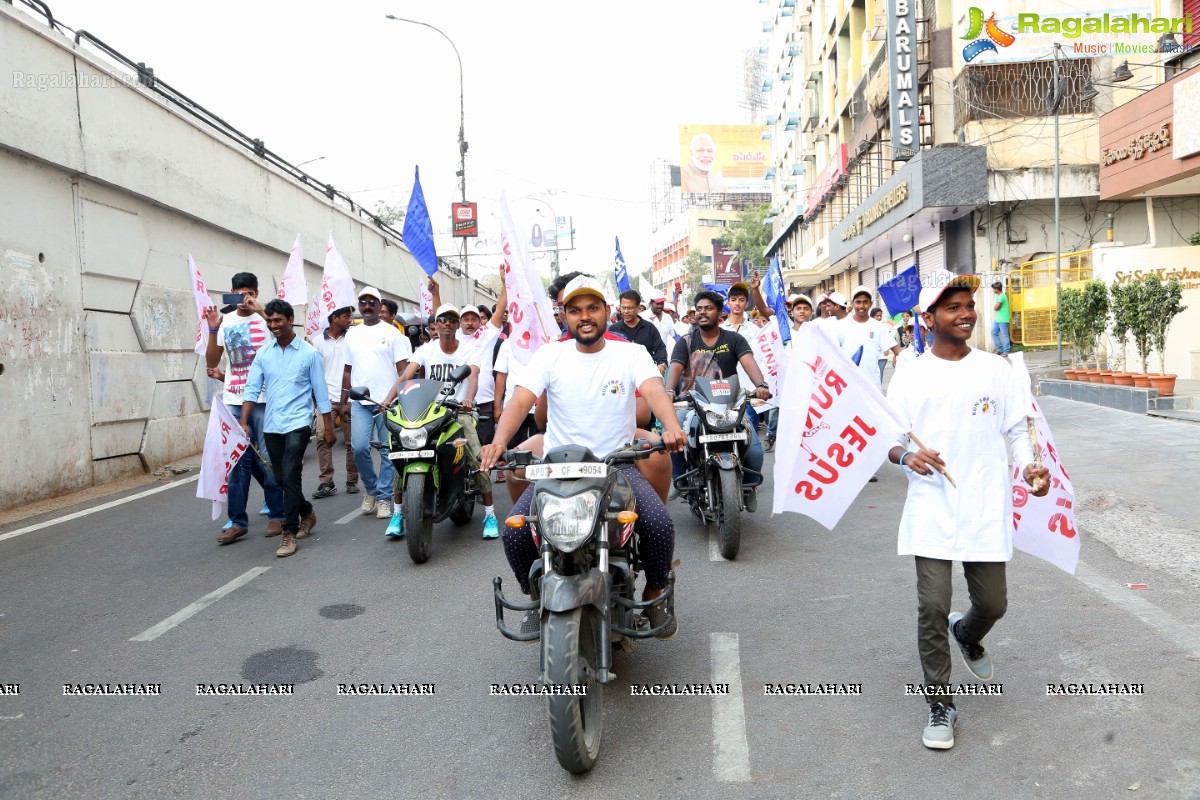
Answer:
(720, 159)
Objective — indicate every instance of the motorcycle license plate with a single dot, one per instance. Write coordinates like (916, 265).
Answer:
(560, 471)
(398, 455)
(735, 436)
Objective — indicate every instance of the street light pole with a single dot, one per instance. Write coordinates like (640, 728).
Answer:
(1057, 95)
(462, 137)
(554, 216)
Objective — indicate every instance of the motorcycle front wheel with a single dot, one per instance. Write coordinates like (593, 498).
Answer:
(418, 516)
(727, 513)
(571, 642)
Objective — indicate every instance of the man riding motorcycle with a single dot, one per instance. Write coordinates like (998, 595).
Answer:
(589, 382)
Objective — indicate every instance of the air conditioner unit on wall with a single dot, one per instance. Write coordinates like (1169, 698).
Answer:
(1017, 234)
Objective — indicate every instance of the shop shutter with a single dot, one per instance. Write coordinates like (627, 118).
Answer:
(1191, 8)
(930, 259)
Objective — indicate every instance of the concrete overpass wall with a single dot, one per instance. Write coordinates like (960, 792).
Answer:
(104, 190)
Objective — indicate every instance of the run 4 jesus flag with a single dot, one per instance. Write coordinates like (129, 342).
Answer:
(293, 288)
(224, 444)
(203, 303)
(835, 429)
(1044, 526)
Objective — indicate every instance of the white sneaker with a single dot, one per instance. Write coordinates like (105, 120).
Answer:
(939, 731)
(368, 504)
(383, 509)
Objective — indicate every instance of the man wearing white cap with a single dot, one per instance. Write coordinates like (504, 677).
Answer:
(439, 358)
(375, 356)
(589, 381)
(965, 403)
(663, 323)
(858, 330)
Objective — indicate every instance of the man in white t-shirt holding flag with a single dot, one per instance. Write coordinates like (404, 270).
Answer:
(337, 291)
(867, 338)
(967, 404)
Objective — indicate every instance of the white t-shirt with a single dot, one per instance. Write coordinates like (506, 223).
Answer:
(965, 410)
(512, 369)
(485, 334)
(590, 395)
(439, 364)
(872, 336)
(486, 357)
(333, 353)
(372, 352)
(748, 330)
(241, 337)
(681, 329)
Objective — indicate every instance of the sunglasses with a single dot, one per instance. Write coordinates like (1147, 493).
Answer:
(446, 320)
(368, 301)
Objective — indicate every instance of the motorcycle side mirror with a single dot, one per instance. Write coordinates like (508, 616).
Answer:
(360, 393)
(460, 373)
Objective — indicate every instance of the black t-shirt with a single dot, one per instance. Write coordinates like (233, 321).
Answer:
(718, 361)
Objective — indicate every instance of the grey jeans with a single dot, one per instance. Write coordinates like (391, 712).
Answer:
(988, 590)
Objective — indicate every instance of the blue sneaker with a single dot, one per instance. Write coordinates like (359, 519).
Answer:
(491, 528)
(395, 528)
(227, 525)
(265, 510)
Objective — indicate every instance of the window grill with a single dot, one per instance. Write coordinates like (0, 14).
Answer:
(1020, 89)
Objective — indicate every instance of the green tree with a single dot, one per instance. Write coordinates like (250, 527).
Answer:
(696, 270)
(1163, 304)
(748, 234)
(390, 213)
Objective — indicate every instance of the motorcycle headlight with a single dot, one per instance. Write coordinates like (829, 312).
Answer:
(567, 522)
(720, 420)
(413, 439)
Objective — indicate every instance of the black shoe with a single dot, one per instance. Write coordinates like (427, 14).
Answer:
(769, 443)
(874, 479)
(750, 500)
(352, 487)
(325, 490)
(657, 615)
(532, 622)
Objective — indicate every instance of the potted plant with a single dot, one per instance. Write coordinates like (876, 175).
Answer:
(1066, 322)
(1093, 319)
(1139, 320)
(1121, 309)
(1163, 305)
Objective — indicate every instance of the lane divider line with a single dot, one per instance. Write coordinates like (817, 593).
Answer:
(731, 753)
(1184, 635)
(357, 512)
(150, 634)
(102, 507)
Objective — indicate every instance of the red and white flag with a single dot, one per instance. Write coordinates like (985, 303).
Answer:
(835, 429)
(771, 358)
(1044, 526)
(203, 303)
(337, 291)
(530, 312)
(426, 298)
(224, 443)
(293, 288)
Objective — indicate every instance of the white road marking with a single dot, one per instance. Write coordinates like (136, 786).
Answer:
(355, 513)
(1181, 633)
(714, 549)
(204, 602)
(731, 753)
(93, 510)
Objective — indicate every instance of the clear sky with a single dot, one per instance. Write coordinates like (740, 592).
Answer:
(566, 101)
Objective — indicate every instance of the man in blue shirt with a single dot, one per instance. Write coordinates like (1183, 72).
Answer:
(292, 373)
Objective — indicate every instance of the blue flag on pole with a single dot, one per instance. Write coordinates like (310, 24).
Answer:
(418, 229)
(776, 298)
(721, 290)
(902, 292)
(918, 335)
(622, 274)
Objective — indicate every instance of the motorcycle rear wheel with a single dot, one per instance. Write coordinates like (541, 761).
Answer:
(728, 513)
(418, 519)
(462, 515)
(571, 642)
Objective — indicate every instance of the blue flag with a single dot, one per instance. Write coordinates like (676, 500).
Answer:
(619, 268)
(918, 335)
(777, 300)
(721, 290)
(857, 357)
(902, 292)
(418, 229)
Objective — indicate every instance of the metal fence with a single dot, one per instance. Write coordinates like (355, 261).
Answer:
(1033, 299)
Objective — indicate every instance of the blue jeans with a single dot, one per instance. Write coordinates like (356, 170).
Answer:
(754, 456)
(249, 466)
(363, 427)
(772, 421)
(1000, 337)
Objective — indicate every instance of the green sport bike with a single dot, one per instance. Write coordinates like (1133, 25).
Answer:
(434, 476)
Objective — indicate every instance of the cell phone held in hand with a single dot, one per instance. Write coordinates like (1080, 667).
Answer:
(232, 298)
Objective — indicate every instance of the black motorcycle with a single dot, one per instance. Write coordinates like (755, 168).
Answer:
(583, 586)
(433, 475)
(718, 437)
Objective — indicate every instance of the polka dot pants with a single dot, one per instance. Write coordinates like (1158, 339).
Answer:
(654, 528)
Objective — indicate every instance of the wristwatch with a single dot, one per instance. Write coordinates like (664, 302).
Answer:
(764, 385)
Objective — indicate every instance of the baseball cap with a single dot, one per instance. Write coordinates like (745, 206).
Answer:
(942, 280)
(837, 298)
(446, 308)
(861, 290)
(803, 298)
(745, 287)
(668, 306)
(580, 285)
(470, 310)
(370, 291)
(821, 298)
